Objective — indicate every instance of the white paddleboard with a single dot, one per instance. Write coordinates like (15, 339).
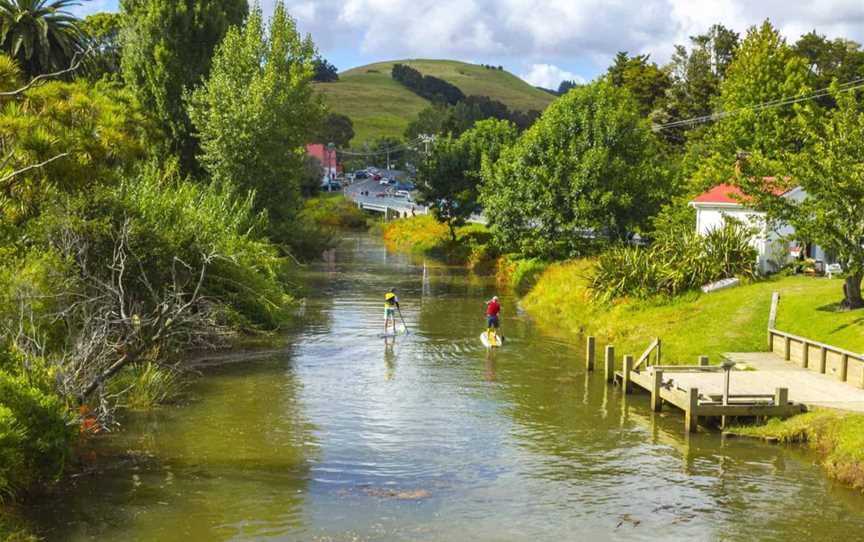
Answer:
(497, 341)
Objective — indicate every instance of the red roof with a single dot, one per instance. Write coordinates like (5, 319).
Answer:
(327, 158)
(727, 193)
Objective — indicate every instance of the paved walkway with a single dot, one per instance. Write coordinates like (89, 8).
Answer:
(771, 372)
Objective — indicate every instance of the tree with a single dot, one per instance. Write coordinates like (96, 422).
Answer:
(168, 46)
(765, 69)
(831, 173)
(449, 179)
(311, 175)
(645, 81)
(565, 87)
(335, 128)
(324, 71)
(40, 34)
(587, 169)
(103, 34)
(256, 111)
(695, 79)
(827, 60)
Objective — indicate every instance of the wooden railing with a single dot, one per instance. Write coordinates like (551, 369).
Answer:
(845, 365)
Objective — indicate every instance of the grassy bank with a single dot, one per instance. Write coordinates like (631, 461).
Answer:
(837, 437)
(333, 210)
(695, 324)
(425, 236)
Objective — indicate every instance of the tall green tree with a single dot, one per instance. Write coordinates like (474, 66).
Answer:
(41, 35)
(645, 81)
(587, 169)
(830, 172)
(765, 69)
(449, 179)
(256, 111)
(103, 34)
(168, 46)
(335, 128)
(827, 60)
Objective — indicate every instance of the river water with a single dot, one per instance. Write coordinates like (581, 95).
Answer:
(341, 437)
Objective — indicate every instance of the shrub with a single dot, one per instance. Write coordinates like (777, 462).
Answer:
(333, 212)
(35, 432)
(677, 261)
(146, 385)
(526, 273)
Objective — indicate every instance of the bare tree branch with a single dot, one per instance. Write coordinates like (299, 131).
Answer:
(9, 176)
(75, 63)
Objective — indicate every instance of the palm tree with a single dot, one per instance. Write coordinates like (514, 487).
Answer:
(40, 34)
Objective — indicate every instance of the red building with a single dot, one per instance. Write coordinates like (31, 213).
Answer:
(328, 158)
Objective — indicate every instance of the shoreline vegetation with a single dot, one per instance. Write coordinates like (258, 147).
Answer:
(558, 297)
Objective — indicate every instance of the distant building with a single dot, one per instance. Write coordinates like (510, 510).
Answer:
(328, 158)
(776, 246)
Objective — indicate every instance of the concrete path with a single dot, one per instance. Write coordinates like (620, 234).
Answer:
(771, 372)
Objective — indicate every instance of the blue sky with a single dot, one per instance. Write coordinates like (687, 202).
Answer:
(542, 41)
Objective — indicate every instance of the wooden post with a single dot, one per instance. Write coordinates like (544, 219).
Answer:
(703, 361)
(691, 415)
(844, 367)
(656, 387)
(805, 356)
(823, 359)
(787, 348)
(659, 345)
(628, 367)
(589, 353)
(772, 319)
(610, 363)
(781, 396)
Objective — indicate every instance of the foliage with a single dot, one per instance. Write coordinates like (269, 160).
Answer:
(678, 261)
(827, 60)
(255, 113)
(441, 119)
(41, 35)
(830, 172)
(337, 129)
(587, 169)
(695, 79)
(645, 81)
(449, 178)
(168, 46)
(565, 87)
(35, 434)
(333, 212)
(311, 174)
(324, 71)
(764, 69)
(103, 33)
(429, 87)
(61, 119)
(521, 274)
(144, 386)
(425, 235)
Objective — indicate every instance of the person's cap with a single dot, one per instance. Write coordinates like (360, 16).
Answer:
(494, 298)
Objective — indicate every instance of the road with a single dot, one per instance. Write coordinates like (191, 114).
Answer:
(368, 192)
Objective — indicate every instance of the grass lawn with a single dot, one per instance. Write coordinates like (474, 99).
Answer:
(696, 324)
(379, 106)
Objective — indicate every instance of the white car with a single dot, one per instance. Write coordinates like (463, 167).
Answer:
(384, 181)
(403, 194)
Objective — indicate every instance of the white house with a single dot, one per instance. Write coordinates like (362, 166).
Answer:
(776, 246)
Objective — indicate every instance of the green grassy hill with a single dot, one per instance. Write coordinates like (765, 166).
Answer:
(379, 106)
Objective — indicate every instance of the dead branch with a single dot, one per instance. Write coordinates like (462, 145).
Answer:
(74, 64)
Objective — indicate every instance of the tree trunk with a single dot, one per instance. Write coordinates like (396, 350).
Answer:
(852, 291)
(453, 231)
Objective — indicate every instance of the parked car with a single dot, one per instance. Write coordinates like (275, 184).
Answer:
(361, 175)
(408, 187)
(403, 194)
(383, 182)
(331, 186)
(377, 177)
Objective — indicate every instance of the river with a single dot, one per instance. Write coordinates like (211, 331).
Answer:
(341, 437)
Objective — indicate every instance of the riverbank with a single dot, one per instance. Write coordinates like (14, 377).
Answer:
(694, 324)
(732, 320)
(837, 437)
(426, 236)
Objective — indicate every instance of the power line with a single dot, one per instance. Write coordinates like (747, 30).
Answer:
(780, 102)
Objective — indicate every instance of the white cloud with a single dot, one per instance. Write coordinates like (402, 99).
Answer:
(549, 76)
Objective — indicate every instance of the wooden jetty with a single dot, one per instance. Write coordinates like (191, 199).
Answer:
(701, 391)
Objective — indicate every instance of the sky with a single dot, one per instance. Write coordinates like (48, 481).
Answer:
(542, 41)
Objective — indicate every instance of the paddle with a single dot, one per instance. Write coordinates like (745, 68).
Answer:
(407, 331)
